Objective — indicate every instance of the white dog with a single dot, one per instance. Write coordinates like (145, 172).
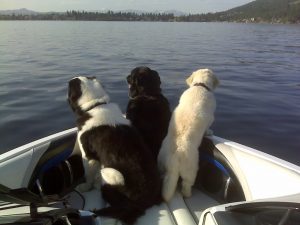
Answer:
(190, 120)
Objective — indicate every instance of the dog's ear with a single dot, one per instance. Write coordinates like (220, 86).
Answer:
(74, 92)
(132, 78)
(91, 78)
(147, 78)
(216, 82)
(189, 80)
(129, 79)
(156, 79)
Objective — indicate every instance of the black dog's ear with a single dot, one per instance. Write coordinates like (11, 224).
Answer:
(156, 78)
(149, 82)
(132, 78)
(129, 79)
(149, 79)
(74, 92)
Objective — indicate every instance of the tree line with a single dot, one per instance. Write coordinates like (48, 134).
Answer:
(93, 16)
(291, 15)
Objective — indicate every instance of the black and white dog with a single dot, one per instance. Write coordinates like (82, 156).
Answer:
(111, 147)
(148, 110)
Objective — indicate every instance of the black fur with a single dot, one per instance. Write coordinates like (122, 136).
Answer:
(74, 94)
(148, 110)
(122, 148)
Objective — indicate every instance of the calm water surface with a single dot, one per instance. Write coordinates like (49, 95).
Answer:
(258, 66)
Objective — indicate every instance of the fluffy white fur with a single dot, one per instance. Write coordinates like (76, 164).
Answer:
(108, 114)
(190, 120)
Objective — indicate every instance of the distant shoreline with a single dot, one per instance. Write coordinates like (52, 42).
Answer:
(228, 16)
(241, 22)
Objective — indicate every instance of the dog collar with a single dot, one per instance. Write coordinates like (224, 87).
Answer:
(94, 105)
(202, 85)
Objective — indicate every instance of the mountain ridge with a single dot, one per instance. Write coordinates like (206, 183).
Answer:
(267, 10)
(21, 11)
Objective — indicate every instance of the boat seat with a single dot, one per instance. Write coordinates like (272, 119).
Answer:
(179, 211)
(58, 170)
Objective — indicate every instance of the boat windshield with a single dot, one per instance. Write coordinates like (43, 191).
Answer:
(260, 213)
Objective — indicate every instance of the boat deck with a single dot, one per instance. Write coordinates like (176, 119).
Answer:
(179, 211)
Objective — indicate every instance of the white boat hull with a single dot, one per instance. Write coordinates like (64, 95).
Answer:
(228, 172)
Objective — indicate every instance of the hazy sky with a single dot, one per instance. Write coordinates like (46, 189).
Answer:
(193, 6)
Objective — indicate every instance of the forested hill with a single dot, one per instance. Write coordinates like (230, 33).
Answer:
(269, 11)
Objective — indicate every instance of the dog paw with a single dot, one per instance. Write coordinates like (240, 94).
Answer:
(84, 187)
(97, 185)
(186, 192)
(110, 221)
(167, 195)
(98, 181)
(209, 132)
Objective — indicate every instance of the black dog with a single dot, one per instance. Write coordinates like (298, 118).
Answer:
(148, 110)
(111, 147)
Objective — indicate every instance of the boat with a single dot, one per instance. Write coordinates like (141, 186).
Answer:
(235, 185)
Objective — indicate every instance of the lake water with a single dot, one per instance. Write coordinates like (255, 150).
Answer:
(258, 100)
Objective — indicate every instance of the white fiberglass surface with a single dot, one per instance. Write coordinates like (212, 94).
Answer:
(267, 179)
(265, 175)
(12, 171)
